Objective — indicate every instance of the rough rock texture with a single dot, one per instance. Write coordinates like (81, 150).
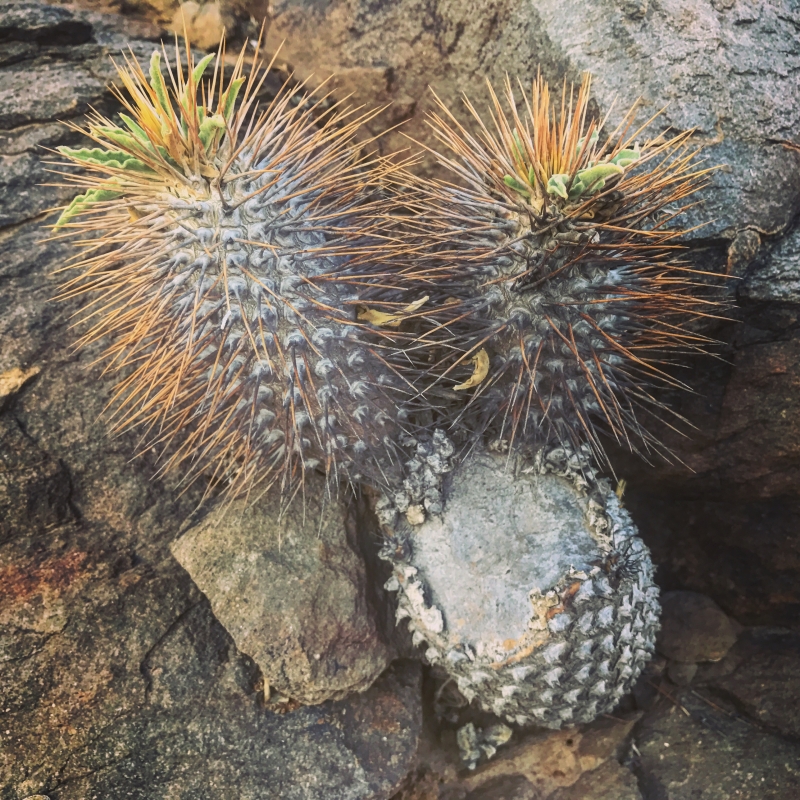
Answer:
(700, 748)
(693, 628)
(760, 673)
(726, 68)
(610, 781)
(536, 766)
(289, 588)
(117, 680)
(776, 276)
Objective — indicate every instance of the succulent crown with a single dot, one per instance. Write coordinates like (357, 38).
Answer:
(170, 138)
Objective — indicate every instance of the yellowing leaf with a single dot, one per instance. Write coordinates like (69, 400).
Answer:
(481, 362)
(384, 320)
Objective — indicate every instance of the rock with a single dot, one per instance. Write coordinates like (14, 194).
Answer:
(761, 673)
(12, 380)
(704, 749)
(536, 766)
(741, 253)
(776, 277)
(681, 674)
(509, 787)
(290, 589)
(117, 680)
(693, 628)
(610, 781)
(724, 69)
(203, 24)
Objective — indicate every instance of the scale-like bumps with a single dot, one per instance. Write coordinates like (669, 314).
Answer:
(560, 294)
(532, 592)
(227, 250)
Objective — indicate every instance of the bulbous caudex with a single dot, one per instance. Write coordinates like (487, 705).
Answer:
(532, 591)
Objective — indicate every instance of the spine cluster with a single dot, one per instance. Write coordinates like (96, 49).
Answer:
(277, 302)
(561, 296)
(236, 247)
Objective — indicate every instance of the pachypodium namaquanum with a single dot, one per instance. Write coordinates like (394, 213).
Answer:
(560, 298)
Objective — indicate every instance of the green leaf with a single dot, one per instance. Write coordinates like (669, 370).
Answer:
(514, 184)
(164, 153)
(592, 142)
(106, 158)
(137, 165)
(198, 71)
(594, 178)
(94, 155)
(157, 81)
(230, 97)
(626, 157)
(577, 189)
(83, 202)
(557, 185)
(532, 176)
(135, 128)
(120, 137)
(209, 127)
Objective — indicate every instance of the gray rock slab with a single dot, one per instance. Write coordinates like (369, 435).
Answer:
(610, 781)
(762, 673)
(776, 277)
(289, 586)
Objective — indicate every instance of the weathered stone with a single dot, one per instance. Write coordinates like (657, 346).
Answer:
(290, 589)
(509, 787)
(610, 781)
(693, 628)
(761, 671)
(531, 767)
(777, 276)
(703, 749)
(681, 674)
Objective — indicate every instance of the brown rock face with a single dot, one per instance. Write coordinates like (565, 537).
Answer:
(290, 589)
(693, 629)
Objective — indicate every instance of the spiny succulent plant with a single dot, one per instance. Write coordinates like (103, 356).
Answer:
(531, 591)
(223, 250)
(560, 295)
(556, 299)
